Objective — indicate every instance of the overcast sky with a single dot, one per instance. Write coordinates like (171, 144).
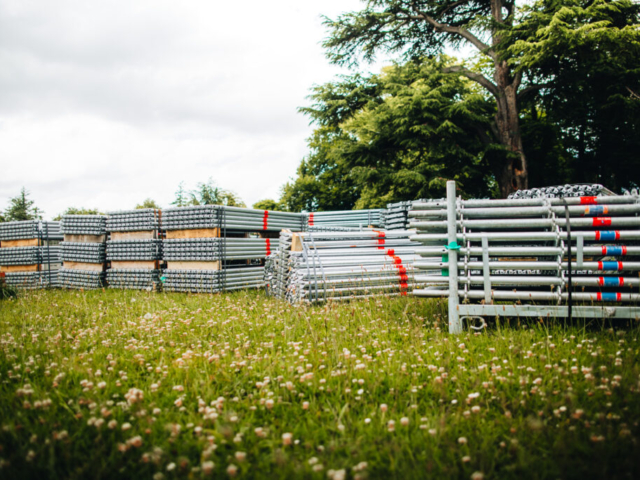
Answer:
(106, 103)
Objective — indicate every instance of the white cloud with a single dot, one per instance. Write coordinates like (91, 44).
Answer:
(103, 104)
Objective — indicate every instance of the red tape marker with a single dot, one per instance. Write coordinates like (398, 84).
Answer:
(381, 239)
(311, 219)
(588, 200)
(265, 219)
(602, 221)
(268, 242)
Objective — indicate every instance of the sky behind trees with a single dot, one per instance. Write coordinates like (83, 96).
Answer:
(104, 104)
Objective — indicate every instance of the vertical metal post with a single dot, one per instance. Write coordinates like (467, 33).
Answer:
(485, 270)
(580, 253)
(455, 325)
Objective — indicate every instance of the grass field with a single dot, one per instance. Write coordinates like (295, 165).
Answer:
(120, 384)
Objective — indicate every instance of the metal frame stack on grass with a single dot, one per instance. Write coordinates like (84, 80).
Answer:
(347, 218)
(134, 249)
(213, 248)
(319, 266)
(396, 216)
(30, 254)
(83, 251)
(545, 257)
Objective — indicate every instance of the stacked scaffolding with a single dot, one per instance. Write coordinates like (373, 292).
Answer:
(83, 251)
(30, 253)
(134, 250)
(545, 252)
(396, 216)
(214, 248)
(347, 218)
(314, 267)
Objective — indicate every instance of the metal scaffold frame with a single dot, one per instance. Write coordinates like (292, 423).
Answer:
(453, 287)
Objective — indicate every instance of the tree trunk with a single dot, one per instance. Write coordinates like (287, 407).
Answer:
(514, 175)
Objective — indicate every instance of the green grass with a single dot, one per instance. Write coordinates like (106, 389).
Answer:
(537, 400)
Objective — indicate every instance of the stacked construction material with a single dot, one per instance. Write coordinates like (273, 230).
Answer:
(315, 267)
(548, 252)
(347, 218)
(397, 216)
(230, 218)
(562, 191)
(213, 248)
(30, 254)
(83, 251)
(212, 281)
(134, 249)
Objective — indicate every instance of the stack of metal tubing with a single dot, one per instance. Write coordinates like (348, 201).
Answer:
(135, 249)
(83, 251)
(230, 218)
(140, 220)
(132, 253)
(347, 218)
(28, 229)
(316, 267)
(84, 224)
(562, 191)
(213, 281)
(132, 250)
(216, 249)
(30, 254)
(224, 240)
(397, 216)
(529, 250)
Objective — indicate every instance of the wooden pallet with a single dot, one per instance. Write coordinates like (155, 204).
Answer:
(30, 242)
(85, 238)
(135, 264)
(19, 268)
(194, 233)
(92, 267)
(296, 243)
(193, 265)
(142, 235)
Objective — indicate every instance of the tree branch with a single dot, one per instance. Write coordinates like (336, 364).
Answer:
(530, 89)
(462, 32)
(476, 77)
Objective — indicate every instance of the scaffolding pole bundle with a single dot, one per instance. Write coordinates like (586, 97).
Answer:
(546, 252)
(134, 250)
(230, 218)
(396, 216)
(213, 281)
(315, 267)
(83, 251)
(347, 218)
(84, 224)
(133, 279)
(140, 220)
(216, 249)
(30, 254)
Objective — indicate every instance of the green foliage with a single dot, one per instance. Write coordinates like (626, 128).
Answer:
(267, 204)
(583, 60)
(206, 194)
(78, 211)
(395, 136)
(148, 203)
(21, 207)
(182, 196)
(575, 65)
(7, 291)
(124, 384)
